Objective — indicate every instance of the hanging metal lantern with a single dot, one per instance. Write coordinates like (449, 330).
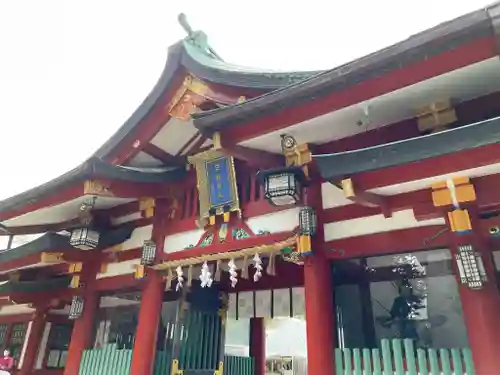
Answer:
(282, 186)
(84, 238)
(308, 221)
(470, 267)
(148, 255)
(76, 308)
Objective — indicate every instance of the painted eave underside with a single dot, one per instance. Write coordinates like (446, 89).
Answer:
(194, 56)
(339, 165)
(434, 41)
(35, 286)
(55, 242)
(93, 168)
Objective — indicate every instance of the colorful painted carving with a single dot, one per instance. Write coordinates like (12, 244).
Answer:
(207, 240)
(290, 254)
(223, 230)
(239, 234)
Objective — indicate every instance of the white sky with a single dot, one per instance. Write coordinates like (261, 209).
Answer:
(72, 72)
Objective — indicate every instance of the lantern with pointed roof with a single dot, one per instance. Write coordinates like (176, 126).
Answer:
(85, 237)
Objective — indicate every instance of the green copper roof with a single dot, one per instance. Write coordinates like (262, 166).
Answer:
(198, 49)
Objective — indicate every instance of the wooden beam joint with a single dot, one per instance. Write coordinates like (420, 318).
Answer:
(254, 158)
(365, 198)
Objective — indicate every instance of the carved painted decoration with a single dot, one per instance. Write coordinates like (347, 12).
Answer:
(239, 233)
(290, 254)
(188, 98)
(223, 231)
(207, 240)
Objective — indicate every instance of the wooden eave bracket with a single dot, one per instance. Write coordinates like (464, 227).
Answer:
(52, 258)
(364, 198)
(147, 207)
(97, 188)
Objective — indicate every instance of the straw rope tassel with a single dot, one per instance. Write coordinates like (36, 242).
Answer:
(217, 270)
(244, 268)
(271, 270)
(170, 276)
(190, 276)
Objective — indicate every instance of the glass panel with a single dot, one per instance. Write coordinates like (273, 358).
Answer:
(3, 332)
(411, 296)
(16, 340)
(117, 319)
(58, 344)
(237, 337)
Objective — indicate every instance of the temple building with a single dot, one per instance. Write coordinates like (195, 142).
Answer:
(362, 202)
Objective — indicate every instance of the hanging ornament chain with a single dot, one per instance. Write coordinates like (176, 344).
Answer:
(257, 262)
(233, 274)
(180, 278)
(205, 276)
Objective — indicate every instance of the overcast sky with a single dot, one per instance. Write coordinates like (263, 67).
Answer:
(72, 72)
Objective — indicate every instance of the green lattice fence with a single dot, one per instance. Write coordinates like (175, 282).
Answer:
(106, 361)
(238, 365)
(233, 365)
(399, 357)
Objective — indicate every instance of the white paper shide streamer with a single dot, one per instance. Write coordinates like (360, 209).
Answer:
(180, 278)
(233, 275)
(205, 276)
(257, 262)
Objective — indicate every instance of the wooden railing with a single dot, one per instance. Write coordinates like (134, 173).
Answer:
(398, 357)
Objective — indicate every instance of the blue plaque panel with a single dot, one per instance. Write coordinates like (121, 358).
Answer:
(220, 190)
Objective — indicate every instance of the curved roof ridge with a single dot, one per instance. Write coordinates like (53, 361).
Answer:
(450, 32)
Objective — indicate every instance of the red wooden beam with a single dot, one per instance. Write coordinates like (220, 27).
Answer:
(254, 158)
(192, 148)
(467, 54)
(364, 198)
(19, 263)
(456, 162)
(118, 282)
(163, 156)
(393, 242)
(18, 318)
(420, 201)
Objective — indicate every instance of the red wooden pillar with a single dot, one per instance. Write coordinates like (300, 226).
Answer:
(258, 344)
(319, 315)
(480, 307)
(34, 338)
(318, 288)
(82, 333)
(146, 336)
